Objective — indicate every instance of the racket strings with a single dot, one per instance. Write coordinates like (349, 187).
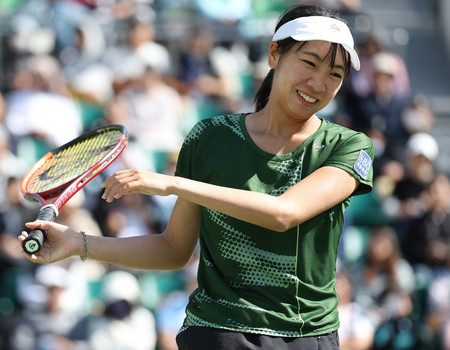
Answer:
(69, 163)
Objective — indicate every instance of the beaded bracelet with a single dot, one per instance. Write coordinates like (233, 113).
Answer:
(83, 258)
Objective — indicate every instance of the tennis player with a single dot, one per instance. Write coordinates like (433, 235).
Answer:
(264, 193)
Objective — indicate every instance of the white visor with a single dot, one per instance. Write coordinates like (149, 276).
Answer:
(320, 28)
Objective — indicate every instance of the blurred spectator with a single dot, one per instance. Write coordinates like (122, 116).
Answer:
(89, 78)
(438, 311)
(132, 215)
(10, 165)
(123, 323)
(421, 152)
(202, 78)
(119, 111)
(427, 236)
(14, 212)
(404, 331)
(385, 278)
(362, 83)
(48, 318)
(381, 110)
(171, 312)
(156, 113)
(356, 331)
(74, 214)
(418, 116)
(126, 59)
(40, 107)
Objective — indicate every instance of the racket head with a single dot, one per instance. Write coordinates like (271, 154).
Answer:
(80, 159)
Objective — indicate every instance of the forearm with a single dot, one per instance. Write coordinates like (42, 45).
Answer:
(141, 252)
(253, 207)
(170, 250)
(313, 195)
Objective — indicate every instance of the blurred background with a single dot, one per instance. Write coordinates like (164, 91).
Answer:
(159, 66)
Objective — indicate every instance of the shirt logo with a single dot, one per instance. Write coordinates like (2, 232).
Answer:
(318, 146)
(363, 164)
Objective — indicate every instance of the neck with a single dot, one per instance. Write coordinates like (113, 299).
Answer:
(277, 135)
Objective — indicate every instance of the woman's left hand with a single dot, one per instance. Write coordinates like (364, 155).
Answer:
(136, 181)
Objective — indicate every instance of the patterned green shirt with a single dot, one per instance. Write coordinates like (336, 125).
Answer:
(252, 279)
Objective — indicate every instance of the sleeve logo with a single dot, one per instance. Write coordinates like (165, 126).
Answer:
(363, 164)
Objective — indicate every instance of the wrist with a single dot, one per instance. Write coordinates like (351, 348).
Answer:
(179, 186)
(84, 253)
(80, 245)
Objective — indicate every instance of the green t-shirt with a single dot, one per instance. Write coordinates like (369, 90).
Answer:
(252, 279)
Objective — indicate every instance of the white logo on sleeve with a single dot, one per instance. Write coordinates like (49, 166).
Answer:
(363, 164)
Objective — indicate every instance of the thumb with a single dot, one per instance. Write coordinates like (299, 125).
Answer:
(37, 224)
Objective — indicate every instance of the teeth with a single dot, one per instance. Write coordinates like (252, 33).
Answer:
(307, 98)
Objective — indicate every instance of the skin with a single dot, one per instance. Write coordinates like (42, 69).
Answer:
(304, 82)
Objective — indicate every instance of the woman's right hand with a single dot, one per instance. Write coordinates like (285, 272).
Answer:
(61, 242)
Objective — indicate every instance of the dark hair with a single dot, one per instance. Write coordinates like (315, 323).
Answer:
(285, 45)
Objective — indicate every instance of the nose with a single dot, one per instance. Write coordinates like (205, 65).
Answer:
(317, 82)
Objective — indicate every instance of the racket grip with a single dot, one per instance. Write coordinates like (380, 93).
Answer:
(33, 243)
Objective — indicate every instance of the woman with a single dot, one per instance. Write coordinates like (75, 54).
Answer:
(265, 194)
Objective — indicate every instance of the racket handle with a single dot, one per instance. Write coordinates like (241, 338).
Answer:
(33, 243)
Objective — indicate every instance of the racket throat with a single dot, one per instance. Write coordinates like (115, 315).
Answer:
(48, 213)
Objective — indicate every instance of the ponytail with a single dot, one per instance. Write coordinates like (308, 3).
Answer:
(263, 93)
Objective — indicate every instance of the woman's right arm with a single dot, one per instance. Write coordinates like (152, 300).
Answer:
(169, 250)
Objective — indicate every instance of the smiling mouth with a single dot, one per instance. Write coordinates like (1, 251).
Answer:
(307, 98)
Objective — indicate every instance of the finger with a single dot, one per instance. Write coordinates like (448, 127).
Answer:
(110, 188)
(108, 180)
(33, 257)
(131, 186)
(117, 189)
(114, 177)
(22, 236)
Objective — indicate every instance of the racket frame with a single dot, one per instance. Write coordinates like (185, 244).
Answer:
(66, 191)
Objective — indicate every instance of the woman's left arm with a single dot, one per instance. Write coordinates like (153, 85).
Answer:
(323, 189)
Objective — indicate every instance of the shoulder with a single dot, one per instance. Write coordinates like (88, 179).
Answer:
(342, 135)
(216, 124)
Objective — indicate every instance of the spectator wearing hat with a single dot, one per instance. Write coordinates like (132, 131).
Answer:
(123, 322)
(48, 316)
(362, 83)
(420, 155)
(379, 114)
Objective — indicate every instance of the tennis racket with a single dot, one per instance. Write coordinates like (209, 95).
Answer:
(67, 169)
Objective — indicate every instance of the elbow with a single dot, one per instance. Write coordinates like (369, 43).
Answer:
(282, 226)
(179, 264)
(284, 220)
(176, 261)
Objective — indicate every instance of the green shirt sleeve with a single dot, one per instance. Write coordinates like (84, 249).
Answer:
(355, 155)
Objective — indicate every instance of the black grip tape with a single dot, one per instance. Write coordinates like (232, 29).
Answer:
(33, 243)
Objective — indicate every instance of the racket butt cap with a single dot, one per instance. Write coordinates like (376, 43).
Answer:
(33, 243)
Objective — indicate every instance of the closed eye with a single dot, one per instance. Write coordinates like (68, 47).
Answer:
(309, 63)
(336, 75)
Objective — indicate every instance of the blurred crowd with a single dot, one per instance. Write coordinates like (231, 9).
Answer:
(157, 67)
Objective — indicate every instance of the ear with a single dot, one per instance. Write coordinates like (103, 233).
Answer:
(274, 55)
